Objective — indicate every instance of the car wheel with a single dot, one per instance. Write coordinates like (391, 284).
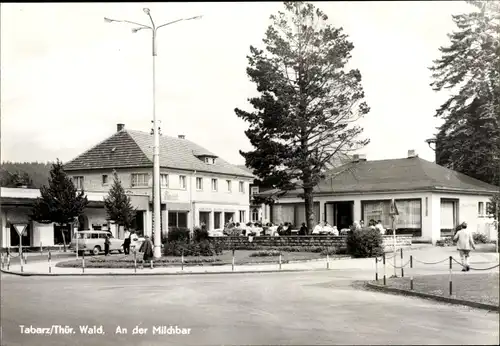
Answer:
(96, 250)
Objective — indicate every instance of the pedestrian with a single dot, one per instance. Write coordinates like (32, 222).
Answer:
(107, 243)
(465, 243)
(126, 242)
(303, 229)
(147, 249)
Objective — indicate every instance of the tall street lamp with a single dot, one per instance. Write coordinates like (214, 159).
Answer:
(156, 144)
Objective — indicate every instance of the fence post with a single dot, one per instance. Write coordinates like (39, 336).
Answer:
(327, 259)
(135, 261)
(280, 259)
(402, 269)
(8, 261)
(411, 276)
(383, 261)
(25, 258)
(83, 261)
(376, 268)
(41, 249)
(50, 257)
(451, 284)
(21, 261)
(151, 263)
(182, 259)
(232, 266)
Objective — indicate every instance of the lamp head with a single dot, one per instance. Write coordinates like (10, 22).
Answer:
(146, 10)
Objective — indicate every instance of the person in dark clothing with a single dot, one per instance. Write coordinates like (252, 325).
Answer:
(126, 242)
(107, 242)
(303, 229)
(147, 249)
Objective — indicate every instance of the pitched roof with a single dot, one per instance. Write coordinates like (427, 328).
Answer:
(128, 149)
(408, 174)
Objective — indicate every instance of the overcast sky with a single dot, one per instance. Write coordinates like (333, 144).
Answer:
(67, 77)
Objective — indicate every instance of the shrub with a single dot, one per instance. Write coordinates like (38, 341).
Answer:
(268, 253)
(365, 242)
(202, 248)
(200, 234)
(448, 241)
(480, 238)
(330, 251)
(178, 234)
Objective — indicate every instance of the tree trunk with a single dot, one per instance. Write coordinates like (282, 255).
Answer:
(309, 203)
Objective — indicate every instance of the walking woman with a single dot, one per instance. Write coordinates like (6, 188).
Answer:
(107, 242)
(147, 249)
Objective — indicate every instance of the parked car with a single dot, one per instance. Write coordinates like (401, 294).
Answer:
(93, 242)
(136, 242)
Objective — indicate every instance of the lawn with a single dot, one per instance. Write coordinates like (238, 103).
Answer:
(241, 257)
(481, 287)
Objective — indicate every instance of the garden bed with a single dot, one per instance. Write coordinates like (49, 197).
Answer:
(240, 257)
(479, 288)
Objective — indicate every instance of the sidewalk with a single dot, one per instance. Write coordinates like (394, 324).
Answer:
(367, 265)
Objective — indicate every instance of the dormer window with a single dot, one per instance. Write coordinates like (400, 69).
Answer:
(210, 160)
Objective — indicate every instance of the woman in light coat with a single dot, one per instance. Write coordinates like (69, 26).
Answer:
(465, 243)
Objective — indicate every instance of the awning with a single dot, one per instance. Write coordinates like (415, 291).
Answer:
(178, 207)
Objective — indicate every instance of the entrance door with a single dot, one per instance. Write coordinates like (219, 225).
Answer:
(205, 218)
(343, 216)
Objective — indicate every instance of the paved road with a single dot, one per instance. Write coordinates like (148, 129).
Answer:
(269, 308)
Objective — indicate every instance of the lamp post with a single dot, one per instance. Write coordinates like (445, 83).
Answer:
(156, 141)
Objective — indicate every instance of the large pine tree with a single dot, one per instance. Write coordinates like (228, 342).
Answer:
(469, 139)
(60, 202)
(304, 118)
(118, 205)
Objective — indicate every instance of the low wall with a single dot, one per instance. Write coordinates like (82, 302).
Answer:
(338, 242)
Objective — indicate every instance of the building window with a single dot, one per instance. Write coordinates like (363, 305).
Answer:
(199, 184)
(214, 184)
(105, 179)
(242, 186)
(164, 180)
(229, 185)
(409, 218)
(140, 179)
(255, 214)
(210, 160)
(182, 181)
(242, 216)
(177, 219)
(480, 209)
(217, 219)
(78, 181)
(254, 190)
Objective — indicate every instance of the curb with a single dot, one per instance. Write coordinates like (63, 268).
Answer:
(432, 296)
(165, 274)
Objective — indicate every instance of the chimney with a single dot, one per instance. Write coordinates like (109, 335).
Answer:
(119, 127)
(181, 136)
(358, 157)
(412, 153)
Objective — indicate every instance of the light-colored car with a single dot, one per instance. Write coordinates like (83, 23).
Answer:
(136, 242)
(93, 242)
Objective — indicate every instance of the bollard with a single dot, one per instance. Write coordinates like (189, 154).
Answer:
(280, 260)
(383, 262)
(232, 266)
(376, 268)
(135, 261)
(8, 261)
(151, 263)
(41, 249)
(327, 260)
(50, 257)
(182, 260)
(411, 276)
(402, 269)
(25, 258)
(451, 284)
(83, 262)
